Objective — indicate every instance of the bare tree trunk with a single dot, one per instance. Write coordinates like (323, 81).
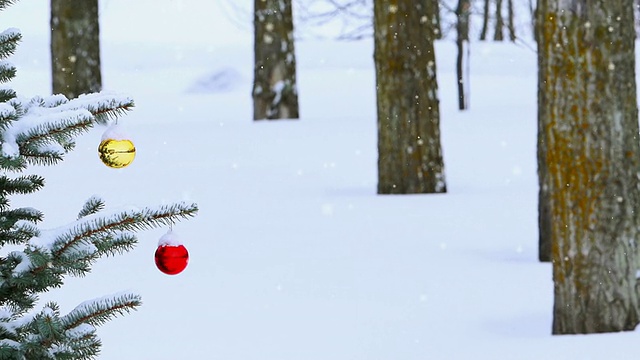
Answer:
(498, 35)
(462, 26)
(589, 125)
(275, 94)
(75, 47)
(485, 20)
(409, 151)
(511, 24)
(544, 197)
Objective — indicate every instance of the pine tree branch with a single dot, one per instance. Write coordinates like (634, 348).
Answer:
(48, 127)
(25, 184)
(93, 205)
(7, 71)
(6, 95)
(104, 106)
(8, 112)
(9, 42)
(131, 220)
(98, 311)
(5, 3)
(76, 122)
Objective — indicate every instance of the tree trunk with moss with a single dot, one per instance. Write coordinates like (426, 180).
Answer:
(75, 47)
(589, 126)
(275, 94)
(409, 151)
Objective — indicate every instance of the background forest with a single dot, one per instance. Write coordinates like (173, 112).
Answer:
(294, 255)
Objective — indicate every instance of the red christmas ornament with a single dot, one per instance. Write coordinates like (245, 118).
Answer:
(171, 256)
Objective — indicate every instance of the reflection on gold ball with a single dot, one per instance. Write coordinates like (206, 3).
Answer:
(116, 153)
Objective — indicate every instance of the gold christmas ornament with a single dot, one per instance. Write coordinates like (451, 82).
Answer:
(116, 150)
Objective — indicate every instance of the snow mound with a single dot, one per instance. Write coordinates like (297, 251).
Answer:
(223, 80)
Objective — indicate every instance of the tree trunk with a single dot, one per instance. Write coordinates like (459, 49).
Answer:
(589, 120)
(485, 20)
(511, 24)
(434, 9)
(462, 26)
(498, 35)
(275, 94)
(75, 47)
(409, 152)
(544, 201)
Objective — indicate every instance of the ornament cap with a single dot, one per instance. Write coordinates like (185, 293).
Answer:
(115, 132)
(170, 239)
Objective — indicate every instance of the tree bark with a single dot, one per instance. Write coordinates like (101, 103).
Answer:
(485, 21)
(589, 125)
(275, 94)
(75, 47)
(409, 151)
(544, 201)
(511, 24)
(498, 35)
(434, 10)
(462, 26)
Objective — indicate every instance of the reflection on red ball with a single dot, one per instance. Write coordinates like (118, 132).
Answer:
(172, 260)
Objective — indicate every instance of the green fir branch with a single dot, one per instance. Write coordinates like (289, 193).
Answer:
(132, 220)
(98, 311)
(19, 234)
(9, 42)
(6, 95)
(4, 4)
(42, 158)
(10, 217)
(60, 132)
(93, 205)
(12, 111)
(86, 346)
(15, 164)
(102, 110)
(7, 72)
(111, 245)
(25, 184)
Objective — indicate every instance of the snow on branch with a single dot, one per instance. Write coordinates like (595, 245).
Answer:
(8, 112)
(6, 3)
(20, 185)
(93, 205)
(9, 41)
(103, 105)
(7, 71)
(71, 249)
(85, 229)
(98, 311)
(48, 126)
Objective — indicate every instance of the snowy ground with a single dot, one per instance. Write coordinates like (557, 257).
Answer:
(293, 255)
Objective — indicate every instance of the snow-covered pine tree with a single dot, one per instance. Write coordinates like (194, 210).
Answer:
(41, 131)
